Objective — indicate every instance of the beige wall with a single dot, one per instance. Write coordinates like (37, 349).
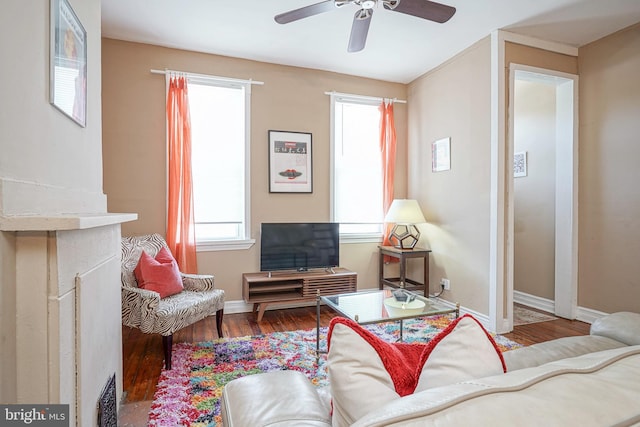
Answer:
(290, 99)
(609, 198)
(535, 57)
(534, 194)
(454, 101)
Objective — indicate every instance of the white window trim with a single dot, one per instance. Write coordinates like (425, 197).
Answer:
(224, 245)
(361, 238)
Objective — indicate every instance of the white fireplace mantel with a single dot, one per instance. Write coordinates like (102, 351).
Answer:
(59, 222)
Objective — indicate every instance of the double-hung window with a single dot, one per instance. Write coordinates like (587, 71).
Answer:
(356, 168)
(219, 112)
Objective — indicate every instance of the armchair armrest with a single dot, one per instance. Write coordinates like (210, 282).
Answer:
(198, 282)
(135, 302)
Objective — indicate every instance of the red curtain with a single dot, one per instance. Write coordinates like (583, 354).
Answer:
(388, 150)
(180, 219)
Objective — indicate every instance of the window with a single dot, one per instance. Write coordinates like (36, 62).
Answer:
(220, 149)
(357, 168)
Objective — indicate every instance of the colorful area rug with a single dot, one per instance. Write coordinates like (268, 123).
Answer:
(189, 394)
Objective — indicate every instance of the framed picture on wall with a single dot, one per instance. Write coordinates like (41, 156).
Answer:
(520, 164)
(290, 162)
(441, 155)
(68, 62)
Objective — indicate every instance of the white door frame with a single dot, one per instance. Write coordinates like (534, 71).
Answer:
(500, 264)
(566, 185)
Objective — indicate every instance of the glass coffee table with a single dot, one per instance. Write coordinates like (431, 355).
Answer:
(379, 306)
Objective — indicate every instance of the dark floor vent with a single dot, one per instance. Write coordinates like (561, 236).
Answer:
(107, 409)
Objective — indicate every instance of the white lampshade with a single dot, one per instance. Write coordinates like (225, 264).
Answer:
(404, 211)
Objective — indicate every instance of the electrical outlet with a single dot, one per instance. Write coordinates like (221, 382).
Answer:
(445, 284)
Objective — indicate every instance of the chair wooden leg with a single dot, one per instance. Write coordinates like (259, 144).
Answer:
(167, 343)
(219, 315)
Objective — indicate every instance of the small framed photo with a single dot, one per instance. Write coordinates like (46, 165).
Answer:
(520, 164)
(68, 62)
(290, 162)
(441, 155)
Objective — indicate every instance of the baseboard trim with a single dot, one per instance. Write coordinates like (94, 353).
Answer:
(239, 306)
(536, 302)
(583, 314)
(482, 318)
(586, 315)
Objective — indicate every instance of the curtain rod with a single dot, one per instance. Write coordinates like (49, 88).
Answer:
(207, 76)
(368, 98)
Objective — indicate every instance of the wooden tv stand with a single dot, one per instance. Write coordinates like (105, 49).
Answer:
(262, 289)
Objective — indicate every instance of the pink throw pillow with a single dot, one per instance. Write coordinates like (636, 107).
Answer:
(161, 274)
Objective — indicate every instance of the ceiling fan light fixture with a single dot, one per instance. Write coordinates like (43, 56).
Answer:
(368, 4)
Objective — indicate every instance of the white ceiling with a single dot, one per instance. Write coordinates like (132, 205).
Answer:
(399, 47)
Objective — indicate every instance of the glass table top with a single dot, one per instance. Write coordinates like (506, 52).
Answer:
(378, 306)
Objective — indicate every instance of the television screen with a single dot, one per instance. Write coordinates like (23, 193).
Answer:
(299, 246)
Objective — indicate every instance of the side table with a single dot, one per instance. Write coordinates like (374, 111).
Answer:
(403, 282)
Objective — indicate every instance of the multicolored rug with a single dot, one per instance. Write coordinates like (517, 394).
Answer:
(189, 394)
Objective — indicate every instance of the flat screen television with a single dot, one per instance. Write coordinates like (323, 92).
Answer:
(299, 246)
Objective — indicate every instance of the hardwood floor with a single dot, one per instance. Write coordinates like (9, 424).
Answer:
(143, 360)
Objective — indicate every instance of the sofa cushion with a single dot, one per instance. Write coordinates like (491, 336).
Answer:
(160, 274)
(623, 326)
(592, 390)
(366, 372)
(558, 349)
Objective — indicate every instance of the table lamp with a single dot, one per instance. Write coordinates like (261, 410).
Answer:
(405, 213)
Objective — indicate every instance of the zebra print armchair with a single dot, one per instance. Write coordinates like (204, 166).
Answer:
(145, 310)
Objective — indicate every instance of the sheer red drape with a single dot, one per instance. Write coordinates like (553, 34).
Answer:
(388, 150)
(180, 218)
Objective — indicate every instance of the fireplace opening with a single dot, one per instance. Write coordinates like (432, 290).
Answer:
(107, 407)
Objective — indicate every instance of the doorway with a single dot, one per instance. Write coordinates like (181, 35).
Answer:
(542, 189)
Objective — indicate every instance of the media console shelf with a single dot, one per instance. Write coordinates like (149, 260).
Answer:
(263, 289)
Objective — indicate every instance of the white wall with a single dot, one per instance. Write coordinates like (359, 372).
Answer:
(48, 163)
(48, 166)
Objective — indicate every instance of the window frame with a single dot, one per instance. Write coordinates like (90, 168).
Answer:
(372, 237)
(244, 242)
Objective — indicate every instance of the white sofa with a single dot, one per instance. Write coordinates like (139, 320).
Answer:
(590, 380)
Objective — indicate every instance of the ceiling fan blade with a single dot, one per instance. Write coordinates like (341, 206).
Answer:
(359, 30)
(424, 9)
(305, 12)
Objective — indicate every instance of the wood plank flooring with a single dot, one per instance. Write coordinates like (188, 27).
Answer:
(143, 360)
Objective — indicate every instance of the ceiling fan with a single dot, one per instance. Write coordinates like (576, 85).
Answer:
(424, 9)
